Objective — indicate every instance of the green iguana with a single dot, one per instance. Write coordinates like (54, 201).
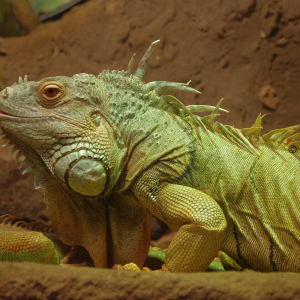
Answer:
(111, 149)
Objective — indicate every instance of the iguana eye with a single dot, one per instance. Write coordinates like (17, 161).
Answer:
(51, 93)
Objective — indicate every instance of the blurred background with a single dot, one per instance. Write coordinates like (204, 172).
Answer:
(246, 52)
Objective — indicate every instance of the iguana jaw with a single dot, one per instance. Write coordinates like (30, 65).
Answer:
(4, 116)
(80, 170)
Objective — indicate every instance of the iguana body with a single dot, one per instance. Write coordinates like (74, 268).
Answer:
(110, 149)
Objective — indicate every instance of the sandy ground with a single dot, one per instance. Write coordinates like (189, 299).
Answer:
(33, 281)
(245, 51)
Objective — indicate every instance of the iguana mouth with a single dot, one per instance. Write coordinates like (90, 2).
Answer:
(6, 114)
(16, 116)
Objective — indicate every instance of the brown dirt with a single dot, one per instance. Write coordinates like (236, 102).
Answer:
(245, 51)
(33, 281)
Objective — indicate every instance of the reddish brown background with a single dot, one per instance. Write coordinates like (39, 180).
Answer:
(245, 51)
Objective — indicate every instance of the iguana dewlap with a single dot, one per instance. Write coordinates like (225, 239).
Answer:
(111, 149)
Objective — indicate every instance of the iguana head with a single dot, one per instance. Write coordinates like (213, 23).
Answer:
(57, 123)
(78, 129)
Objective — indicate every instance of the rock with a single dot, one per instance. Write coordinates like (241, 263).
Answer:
(282, 42)
(267, 96)
(25, 15)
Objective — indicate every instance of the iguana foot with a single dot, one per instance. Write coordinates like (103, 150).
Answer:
(134, 267)
(127, 267)
(216, 266)
(9, 219)
(228, 263)
(65, 261)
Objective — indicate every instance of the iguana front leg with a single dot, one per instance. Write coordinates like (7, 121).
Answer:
(129, 236)
(195, 216)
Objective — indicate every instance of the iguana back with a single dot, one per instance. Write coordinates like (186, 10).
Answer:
(258, 189)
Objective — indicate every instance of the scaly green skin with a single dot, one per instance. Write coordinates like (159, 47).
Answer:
(19, 243)
(110, 149)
